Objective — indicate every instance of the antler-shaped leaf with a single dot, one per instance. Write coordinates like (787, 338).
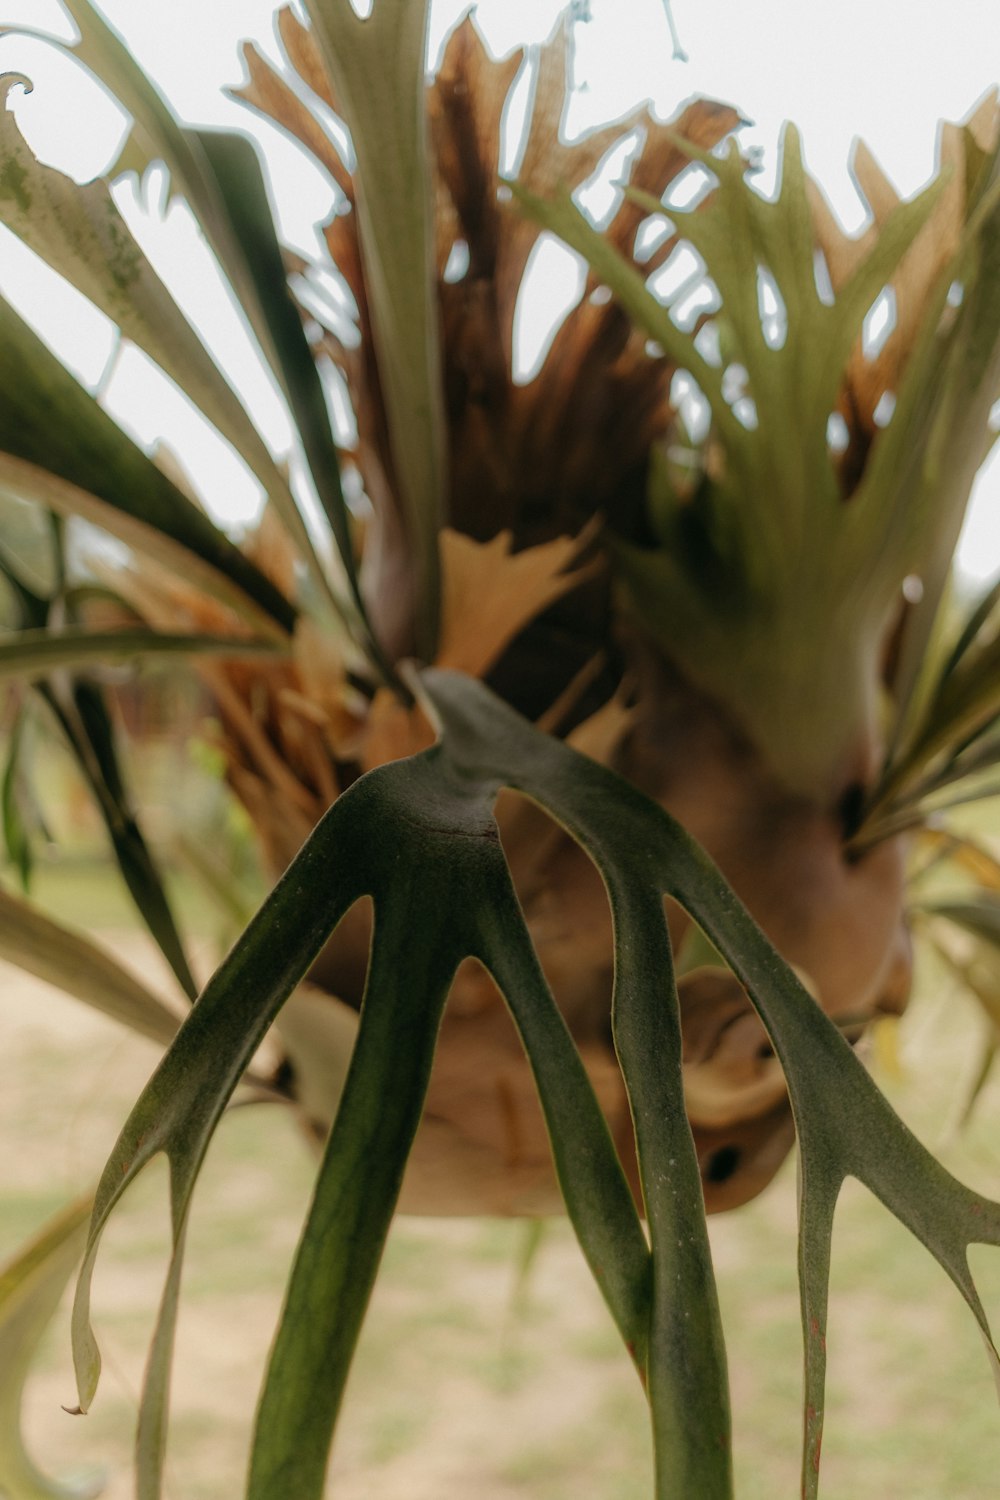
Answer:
(766, 535)
(418, 835)
(766, 532)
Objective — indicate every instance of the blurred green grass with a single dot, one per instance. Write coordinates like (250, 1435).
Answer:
(465, 1382)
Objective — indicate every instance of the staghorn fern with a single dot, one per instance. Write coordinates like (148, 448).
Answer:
(738, 705)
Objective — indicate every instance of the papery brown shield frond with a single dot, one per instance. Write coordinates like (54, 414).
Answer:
(548, 162)
(466, 106)
(490, 595)
(868, 378)
(304, 56)
(267, 92)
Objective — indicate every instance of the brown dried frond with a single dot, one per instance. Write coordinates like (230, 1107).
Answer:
(918, 275)
(267, 92)
(538, 459)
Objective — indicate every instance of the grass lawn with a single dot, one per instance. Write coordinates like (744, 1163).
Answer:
(470, 1381)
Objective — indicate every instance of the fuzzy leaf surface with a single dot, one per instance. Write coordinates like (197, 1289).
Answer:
(80, 709)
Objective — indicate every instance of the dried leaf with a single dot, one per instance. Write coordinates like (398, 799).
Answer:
(393, 731)
(304, 56)
(661, 158)
(548, 163)
(466, 103)
(267, 92)
(490, 594)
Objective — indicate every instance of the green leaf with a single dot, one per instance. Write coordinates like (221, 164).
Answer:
(236, 168)
(78, 230)
(377, 69)
(15, 830)
(36, 653)
(931, 451)
(82, 714)
(59, 448)
(83, 717)
(845, 1126)
(219, 174)
(31, 1284)
(761, 561)
(79, 967)
(418, 837)
(103, 51)
(974, 623)
(157, 135)
(405, 833)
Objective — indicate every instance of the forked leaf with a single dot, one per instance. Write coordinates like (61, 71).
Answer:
(157, 135)
(498, 592)
(101, 48)
(408, 833)
(78, 967)
(755, 562)
(933, 448)
(418, 835)
(794, 380)
(219, 174)
(31, 1284)
(845, 1126)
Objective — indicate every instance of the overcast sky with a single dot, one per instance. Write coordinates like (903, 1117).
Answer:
(886, 71)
